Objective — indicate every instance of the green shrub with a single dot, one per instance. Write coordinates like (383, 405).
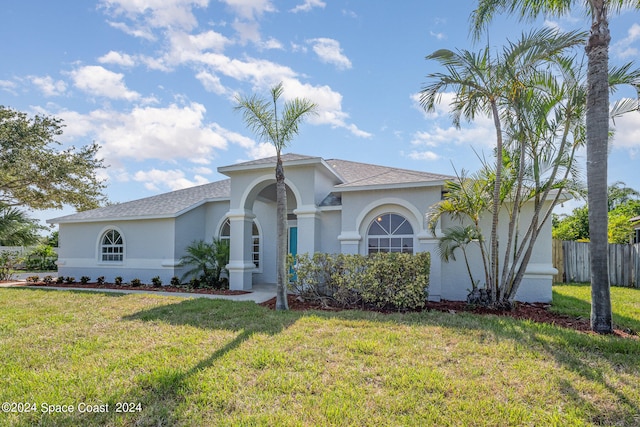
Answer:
(85, 279)
(59, 279)
(156, 281)
(69, 279)
(118, 280)
(384, 281)
(8, 262)
(175, 281)
(33, 279)
(396, 280)
(135, 282)
(100, 280)
(47, 280)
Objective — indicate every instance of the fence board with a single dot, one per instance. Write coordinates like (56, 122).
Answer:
(624, 263)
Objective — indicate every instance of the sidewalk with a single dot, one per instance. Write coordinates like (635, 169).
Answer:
(259, 294)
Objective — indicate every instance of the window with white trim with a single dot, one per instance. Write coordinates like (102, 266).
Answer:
(390, 233)
(111, 247)
(225, 234)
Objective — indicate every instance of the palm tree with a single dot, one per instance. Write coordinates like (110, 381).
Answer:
(16, 228)
(261, 117)
(597, 130)
(495, 86)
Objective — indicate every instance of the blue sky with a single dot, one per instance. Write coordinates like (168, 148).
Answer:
(153, 81)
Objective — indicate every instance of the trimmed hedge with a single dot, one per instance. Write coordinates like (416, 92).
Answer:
(395, 281)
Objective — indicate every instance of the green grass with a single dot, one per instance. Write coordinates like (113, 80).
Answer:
(575, 300)
(213, 362)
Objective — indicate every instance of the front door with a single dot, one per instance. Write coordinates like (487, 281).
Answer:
(293, 246)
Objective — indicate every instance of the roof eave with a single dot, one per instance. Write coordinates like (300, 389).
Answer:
(62, 220)
(373, 187)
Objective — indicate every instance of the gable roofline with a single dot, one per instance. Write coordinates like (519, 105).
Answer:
(288, 160)
(161, 206)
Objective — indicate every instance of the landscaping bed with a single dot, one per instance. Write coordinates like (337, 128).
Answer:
(167, 288)
(536, 312)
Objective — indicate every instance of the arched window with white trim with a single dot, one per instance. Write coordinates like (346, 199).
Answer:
(225, 234)
(111, 246)
(390, 232)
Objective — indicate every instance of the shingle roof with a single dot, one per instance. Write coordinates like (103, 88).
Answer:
(354, 175)
(363, 174)
(160, 206)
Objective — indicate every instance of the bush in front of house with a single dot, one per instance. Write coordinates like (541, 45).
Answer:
(85, 279)
(156, 282)
(384, 281)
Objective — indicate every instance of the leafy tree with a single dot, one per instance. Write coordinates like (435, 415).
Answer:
(261, 117)
(35, 173)
(597, 119)
(574, 226)
(16, 228)
(624, 205)
(537, 120)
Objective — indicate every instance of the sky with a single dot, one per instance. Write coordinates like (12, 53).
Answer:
(153, 82)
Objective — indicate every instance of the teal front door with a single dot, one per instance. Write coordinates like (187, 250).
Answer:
(293, 246)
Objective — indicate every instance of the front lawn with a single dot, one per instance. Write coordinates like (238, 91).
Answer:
(213, 362)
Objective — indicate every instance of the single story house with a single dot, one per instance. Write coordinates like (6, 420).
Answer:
(334, 206)
(635, 224)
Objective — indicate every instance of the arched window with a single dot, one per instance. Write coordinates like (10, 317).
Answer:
(225, 234)
(390, 233)
(111, 246)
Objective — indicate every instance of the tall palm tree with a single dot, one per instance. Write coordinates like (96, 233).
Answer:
(597, 130)
(16, 228)
(491, 85)
(261, 117)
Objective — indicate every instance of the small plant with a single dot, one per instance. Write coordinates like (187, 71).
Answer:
(118, 281)
(33, 279)
(69, 279)
(59, 280)
(194, 283)
(156, 281)
(85, 279)
(100, 280)
(135, 282)
(47, 280)
(175, 281)
(8, 262)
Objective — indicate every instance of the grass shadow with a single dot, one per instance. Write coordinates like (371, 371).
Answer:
(114, 294)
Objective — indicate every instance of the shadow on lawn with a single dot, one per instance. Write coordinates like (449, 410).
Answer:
(162, 393)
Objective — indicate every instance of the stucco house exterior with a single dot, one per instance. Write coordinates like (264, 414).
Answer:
(334, 206)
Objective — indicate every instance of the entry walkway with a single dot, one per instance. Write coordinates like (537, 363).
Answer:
(259, 294)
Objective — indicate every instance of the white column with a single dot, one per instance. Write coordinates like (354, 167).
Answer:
(428, 243)
(308, 229)
(240, 265)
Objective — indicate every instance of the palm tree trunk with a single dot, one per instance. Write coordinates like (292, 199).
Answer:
(597, 144)
(494, 265)
(281, 229)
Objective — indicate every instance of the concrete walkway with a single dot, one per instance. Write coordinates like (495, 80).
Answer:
(259, 294)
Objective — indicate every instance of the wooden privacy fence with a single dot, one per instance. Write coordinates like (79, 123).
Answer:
(572, 261)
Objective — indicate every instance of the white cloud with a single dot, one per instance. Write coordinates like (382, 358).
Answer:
(8, 86)
(623, 48)
(174, 179)
(424, 155)
(140, 32)
(308, 5)
(48, 86)
(329, 105)
(250, 9)
(99, 81)
(438, 36)
(168, 133)
(627, 132)
(117, 58)
(329, 51)
(211, 83)
(156, 13)
(441, 108)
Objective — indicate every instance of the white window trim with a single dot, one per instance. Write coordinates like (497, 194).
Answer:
(260, 240)
(391, 236)
(101, 235)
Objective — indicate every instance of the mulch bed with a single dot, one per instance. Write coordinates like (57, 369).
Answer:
(167, 288)
(524, 311)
